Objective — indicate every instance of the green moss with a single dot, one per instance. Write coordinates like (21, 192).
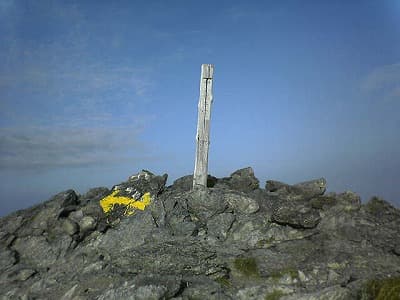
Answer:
(224, 281)
(381, 289)
(275, 295)
(247, 266)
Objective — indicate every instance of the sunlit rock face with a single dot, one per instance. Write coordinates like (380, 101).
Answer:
(232, 240)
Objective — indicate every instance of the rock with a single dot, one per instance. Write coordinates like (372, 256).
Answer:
(323, 202)
(219, 225)
(230, 241)
(7, 258)
(242, 180)
(349, 201)
(147, 292)
(143, 182)
(204, 288)
(185, 183)
(396, 250)
(381, 210)
(36, 251)
(66, 198)
(169, 284)
(69, 295)
(21, 274)
(76, 216)
(65, 211)
(331, 293)
(95, 194)
(307, 189)
(250, 233)
(129, 233)
(206, 203)
(296, 216)
(312, 187)
(87, 224)
(241, 203)
(70, 227)
(274, 186)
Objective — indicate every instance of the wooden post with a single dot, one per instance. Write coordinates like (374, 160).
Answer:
(203, 126)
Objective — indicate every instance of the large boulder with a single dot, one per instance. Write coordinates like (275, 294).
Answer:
(302, 190)
(242, 180)
(139, 184)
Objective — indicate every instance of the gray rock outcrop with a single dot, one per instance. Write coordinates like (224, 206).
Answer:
(232, 240)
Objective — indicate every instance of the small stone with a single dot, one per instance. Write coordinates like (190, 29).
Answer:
(87, 223)
(70, 227)
(333, 276)
(76, 215)
(302, 276)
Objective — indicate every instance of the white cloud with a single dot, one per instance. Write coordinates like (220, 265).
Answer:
(49, 148)
(383, 82)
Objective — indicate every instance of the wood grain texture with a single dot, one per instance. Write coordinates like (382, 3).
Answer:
(203, 126)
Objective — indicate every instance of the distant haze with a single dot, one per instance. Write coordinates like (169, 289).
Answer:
(93, 91)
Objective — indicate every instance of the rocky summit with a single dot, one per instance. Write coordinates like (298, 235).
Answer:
(231, 240)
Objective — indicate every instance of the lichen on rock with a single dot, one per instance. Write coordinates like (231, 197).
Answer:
(130, 204)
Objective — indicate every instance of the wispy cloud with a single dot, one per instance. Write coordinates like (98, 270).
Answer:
(49, 148)
(65, 69)
(82, 90)
(383, 82)
(68, 94)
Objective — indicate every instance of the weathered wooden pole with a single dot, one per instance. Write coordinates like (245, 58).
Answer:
(203, 126)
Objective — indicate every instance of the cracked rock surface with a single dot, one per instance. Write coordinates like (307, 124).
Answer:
(233, 240)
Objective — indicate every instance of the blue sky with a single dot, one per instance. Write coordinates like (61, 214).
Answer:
(93, 91)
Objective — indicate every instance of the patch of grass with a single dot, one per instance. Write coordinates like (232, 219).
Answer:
(275, 295)
(381, 289)
(246, 266)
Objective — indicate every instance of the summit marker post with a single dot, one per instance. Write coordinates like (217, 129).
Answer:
(203, 126)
